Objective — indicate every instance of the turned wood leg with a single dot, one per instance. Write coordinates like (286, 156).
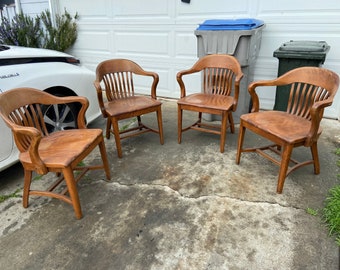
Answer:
(73, 192)
(241, 133)
(160, 125)
(179, 123)
(286, 153)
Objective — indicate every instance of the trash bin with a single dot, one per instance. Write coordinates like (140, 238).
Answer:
(294, 54)
(240, 38)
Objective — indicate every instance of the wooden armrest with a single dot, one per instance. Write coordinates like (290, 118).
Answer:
(35, 138)
(100, 97)
(154, 83)
(179, 76)
(316, 113)
(142, 72)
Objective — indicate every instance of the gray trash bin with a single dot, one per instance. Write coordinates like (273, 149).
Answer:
(294, 54)
(240, 38)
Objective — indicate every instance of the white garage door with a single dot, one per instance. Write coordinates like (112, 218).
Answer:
(159, 34)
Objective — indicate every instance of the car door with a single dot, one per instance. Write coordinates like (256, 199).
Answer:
(6, 145)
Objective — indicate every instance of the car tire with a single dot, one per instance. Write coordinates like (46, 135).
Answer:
(60, 116)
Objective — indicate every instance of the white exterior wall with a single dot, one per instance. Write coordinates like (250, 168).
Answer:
(33, 7)
(159, 34)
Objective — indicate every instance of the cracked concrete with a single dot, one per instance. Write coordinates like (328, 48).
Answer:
(177, 206)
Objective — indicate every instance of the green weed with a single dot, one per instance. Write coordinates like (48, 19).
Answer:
(8, 196)
(311, 211)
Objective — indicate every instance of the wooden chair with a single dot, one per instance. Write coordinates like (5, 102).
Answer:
(59, 152)
(311, 90)
(116, 76)
(221, 76)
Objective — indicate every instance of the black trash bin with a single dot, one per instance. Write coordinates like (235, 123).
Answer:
(294, 54)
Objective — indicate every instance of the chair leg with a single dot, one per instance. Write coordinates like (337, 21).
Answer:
(286, 153)
(315, 155)
(73, 192)
(223, 130)
(160, 125)
(199, 118)
(27, 185)
(139, 121)
(108, 128)
(104, 159)
(117, 137)
(241, 133)
(231, 121)
(179, 123)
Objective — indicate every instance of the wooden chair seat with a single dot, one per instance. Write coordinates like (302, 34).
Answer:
(213, 102)
(55, 155)
(280, 126)
(133, 106)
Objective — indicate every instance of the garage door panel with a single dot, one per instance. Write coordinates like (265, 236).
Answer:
(142, 43)
(89, 9)
(185, 44)
(129, 10)
(293, 6)
(98, 41)
(212, 8)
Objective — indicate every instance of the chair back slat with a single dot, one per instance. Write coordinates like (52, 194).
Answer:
(28, 116)
(218, 81)
(302, 97)
(118, 85)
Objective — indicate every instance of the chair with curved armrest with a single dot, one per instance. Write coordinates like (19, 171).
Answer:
(311, 90)
(115, 78)
(59, 152)
(221, 76)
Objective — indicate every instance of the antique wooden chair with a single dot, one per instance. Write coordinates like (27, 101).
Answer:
(59, 152)
(311, 90)
(221, 76)
(115, 78)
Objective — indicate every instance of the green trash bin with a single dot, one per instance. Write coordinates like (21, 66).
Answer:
(294, 54)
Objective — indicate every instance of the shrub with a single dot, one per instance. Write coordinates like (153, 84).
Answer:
(61, 36)
(22, 30)
(40, 32)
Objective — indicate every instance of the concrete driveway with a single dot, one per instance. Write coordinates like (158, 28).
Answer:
(177, 206)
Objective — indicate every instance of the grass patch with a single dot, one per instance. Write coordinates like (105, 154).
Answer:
(331, 210)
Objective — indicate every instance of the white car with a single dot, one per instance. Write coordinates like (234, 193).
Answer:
(50, 71)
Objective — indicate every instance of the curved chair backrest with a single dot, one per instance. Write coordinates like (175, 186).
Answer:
(22, 111)
(117, 77)
(220, 73)
(306, 85)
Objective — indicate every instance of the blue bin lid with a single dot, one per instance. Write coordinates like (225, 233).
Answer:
(236, 24)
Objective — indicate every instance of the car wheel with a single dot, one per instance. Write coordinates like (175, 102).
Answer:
(60, 117)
